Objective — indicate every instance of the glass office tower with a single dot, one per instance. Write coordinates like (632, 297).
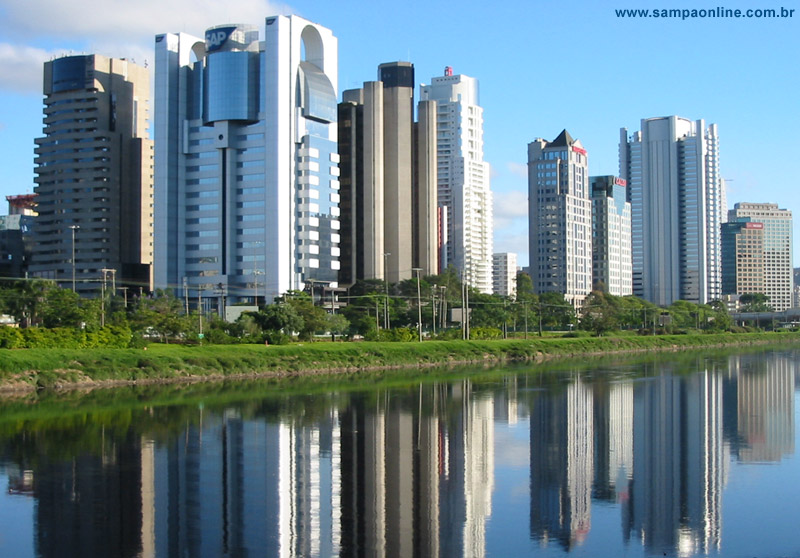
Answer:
(246, 175)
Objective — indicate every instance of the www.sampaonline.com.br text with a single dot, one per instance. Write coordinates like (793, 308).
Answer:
(706, 13)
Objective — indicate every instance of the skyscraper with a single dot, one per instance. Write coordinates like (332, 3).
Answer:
(677, 206)
(560, 218)
(777, 249)
(388, 178)
(504, 273)
(611, 235)
(463, 178)
(742, 257)
(246, 159)
(94, 175)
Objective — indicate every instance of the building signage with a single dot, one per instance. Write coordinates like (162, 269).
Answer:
(578, 150)
(217, 37)
(754, 225)
(620, 181)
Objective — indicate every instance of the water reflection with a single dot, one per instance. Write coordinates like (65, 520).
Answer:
(409, 471)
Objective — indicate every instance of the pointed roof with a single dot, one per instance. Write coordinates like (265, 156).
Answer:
(563, 140)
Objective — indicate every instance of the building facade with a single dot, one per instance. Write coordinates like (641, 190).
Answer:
(777, 249)
(247, 175)
(560, 218)
(388, 179)
(504, 274)
(15, 235)
(94, 168)
(677, 201)
(464, 195)
(742, 257)
(611, 236)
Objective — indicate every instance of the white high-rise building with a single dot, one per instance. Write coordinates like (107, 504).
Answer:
(777, 255)
(677, 196)
(504, 273)
(560, 218)
(464, 197)
(246, 170)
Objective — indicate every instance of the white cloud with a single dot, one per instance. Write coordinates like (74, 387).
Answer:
(509, 207)
(519, 170)
(113, 28)
(21, 67)
(127, 21)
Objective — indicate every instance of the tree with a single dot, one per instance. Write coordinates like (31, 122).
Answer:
(313, 316)
(600, 313)
(161, 314)
(337, 324)
(755, 302)
(279, 317)
(556, 312)
(720, 318)
(62, 308)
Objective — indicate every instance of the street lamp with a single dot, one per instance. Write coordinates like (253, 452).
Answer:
(73, 228)
(419, 304)
(386, 285)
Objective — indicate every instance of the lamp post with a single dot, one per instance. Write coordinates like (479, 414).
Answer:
(419, 304)
(386, 285)
(73, 228)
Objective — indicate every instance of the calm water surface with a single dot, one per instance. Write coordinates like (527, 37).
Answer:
(684, 455)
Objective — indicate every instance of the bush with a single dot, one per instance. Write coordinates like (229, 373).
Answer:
(485, 333)
(402, 334)
(277, 338)
(10, 338)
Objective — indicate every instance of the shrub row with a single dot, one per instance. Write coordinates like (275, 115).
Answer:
(117, 337)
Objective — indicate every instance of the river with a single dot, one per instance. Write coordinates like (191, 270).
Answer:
(685, 454)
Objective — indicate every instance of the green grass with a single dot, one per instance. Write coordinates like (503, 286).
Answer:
(47, 368)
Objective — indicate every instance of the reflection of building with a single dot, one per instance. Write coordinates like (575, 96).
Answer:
(246, 159)
(613, 440)
(676, 493)
(759, 409)
(562, 453)
(94, 174)
(91, 503)
(238, 486)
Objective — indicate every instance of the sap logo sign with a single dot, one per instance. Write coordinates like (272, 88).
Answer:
(217, 37)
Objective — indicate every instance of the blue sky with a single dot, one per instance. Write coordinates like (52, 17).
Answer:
(542, 66)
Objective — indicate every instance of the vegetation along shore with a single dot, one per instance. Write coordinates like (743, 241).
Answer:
(32, 369)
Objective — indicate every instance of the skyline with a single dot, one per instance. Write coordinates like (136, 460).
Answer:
(541, 69)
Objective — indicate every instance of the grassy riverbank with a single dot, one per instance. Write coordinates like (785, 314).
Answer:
(51, 368)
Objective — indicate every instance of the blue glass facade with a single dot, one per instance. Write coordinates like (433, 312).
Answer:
(70, 73)
(230, 87)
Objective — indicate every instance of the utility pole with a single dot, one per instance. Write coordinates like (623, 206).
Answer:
(433, 308)
(419, 304)
(74, 228)
(525, 305)
(386, 285)
(186, 296)
(444, 306)
(200, 308)
(125, 294)
(105, 271)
